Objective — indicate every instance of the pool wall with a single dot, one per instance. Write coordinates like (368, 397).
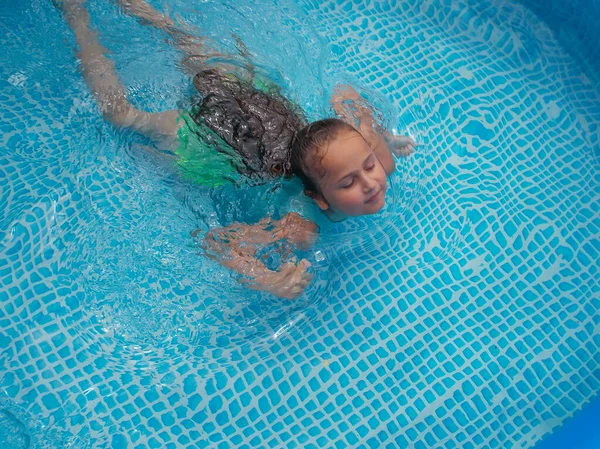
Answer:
(581, 432)
(577, 19)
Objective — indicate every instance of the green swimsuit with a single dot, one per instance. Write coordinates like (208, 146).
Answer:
(205, 158)
(199, 161)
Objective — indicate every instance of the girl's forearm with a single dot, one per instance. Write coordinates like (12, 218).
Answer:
(246, 265)
(377, 139)
(349, 105)
(235, 248)
(292, 227)
(233, 254)
(241, 233)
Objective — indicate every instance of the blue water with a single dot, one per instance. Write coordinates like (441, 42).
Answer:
(465, 315)
(580, 432)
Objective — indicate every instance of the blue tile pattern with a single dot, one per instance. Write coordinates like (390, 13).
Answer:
(464, 316)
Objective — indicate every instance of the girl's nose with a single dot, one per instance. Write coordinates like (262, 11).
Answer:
(368, 183)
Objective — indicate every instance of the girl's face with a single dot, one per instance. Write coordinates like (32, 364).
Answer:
(354, 181)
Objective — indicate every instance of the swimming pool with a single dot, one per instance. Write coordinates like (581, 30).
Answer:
(464, 316)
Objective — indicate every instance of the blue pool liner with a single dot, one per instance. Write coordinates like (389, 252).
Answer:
(580, 432)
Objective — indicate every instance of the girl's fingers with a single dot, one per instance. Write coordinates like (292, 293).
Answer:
(304, 264)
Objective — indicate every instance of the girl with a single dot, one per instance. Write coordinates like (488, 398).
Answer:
(243, 125)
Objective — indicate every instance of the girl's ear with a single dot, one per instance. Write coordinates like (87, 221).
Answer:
(319, 199)
(309, 193)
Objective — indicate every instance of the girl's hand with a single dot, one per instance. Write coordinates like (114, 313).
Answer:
(299, 231)
(235, 247)
(289, 281)
(401, 146)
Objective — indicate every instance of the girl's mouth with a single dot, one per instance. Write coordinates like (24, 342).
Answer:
(374, 197)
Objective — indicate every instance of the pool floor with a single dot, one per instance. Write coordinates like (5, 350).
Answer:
(464, 316)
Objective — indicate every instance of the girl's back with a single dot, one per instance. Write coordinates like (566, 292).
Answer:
(254, 119)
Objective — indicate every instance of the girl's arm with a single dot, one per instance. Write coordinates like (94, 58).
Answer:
(351, 107)
(235, 247)
(100, 76)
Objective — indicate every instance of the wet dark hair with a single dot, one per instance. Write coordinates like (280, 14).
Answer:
(258, 125)
(309, 146)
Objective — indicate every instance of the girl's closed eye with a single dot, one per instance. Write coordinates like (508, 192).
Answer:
(348, 184)
(370, 163)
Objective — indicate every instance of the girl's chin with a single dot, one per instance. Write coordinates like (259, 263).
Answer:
(376, 205)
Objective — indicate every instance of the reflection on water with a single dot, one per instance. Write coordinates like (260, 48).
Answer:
(13, 433)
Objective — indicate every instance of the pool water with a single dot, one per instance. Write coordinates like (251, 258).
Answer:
(464, 315)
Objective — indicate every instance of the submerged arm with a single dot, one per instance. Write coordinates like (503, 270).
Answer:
(351, 107)
(235, 247)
